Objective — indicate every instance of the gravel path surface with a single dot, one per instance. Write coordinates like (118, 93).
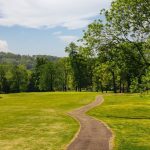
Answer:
(93, 134)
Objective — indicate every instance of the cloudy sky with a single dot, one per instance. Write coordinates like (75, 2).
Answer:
(45, 26)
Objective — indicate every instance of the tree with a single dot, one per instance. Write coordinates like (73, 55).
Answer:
(18, 78)
(63, 74)
(130, 19)
(47, 77)
(119, 41)
(79, 67)
(4, 87)
(35, 75)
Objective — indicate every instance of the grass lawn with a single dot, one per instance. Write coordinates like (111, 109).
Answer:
(39, 121)
(129, 118)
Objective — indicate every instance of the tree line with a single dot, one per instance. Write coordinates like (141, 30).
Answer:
(44, 76)
(28, 61)
(113, 55)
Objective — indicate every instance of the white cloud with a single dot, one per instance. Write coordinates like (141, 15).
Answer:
(77, 24)
(72, 14)
(57, 33)
(68, 38)
(3, 46)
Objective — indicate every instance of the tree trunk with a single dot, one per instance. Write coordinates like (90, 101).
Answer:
(51, 86)
(114, 82)
(120, 86)
(123, 88)
(76, 88)
(102, 87)
(128, 84)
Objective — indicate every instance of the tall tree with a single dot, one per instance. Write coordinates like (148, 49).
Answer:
(35, 76)
(4, 87)
(47, 77)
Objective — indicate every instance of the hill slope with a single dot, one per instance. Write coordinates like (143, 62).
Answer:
(27, 60)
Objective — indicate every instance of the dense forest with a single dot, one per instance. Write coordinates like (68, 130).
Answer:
(28, 61)
(113, 55)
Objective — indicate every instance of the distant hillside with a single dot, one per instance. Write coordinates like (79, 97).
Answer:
(27, 60)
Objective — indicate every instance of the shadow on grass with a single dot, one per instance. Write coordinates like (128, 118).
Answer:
(127, 117)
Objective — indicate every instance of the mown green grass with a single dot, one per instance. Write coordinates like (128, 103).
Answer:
(129, 118)
(39, 121)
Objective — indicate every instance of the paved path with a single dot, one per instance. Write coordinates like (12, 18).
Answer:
(93, 134)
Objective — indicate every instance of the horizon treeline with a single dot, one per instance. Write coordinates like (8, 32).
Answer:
(28, 60)
(113, 55)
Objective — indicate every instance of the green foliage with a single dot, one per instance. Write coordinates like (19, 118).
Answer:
(4, 87)
(130, 22)
(119, 48)
(63, 80)
(28, 61)
(80, 67)
(47, 77)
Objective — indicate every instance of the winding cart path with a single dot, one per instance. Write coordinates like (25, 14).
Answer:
(93, 134)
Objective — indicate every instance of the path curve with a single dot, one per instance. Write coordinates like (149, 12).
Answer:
(93, 134)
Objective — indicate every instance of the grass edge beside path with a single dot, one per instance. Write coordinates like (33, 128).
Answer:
(112, 139)
(125, 130)
(38, 120)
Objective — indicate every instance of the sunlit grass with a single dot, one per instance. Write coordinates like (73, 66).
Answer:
(36, 121)
(129, 118)
(39, 121)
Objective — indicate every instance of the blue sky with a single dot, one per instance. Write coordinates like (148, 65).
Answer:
(45, 26)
